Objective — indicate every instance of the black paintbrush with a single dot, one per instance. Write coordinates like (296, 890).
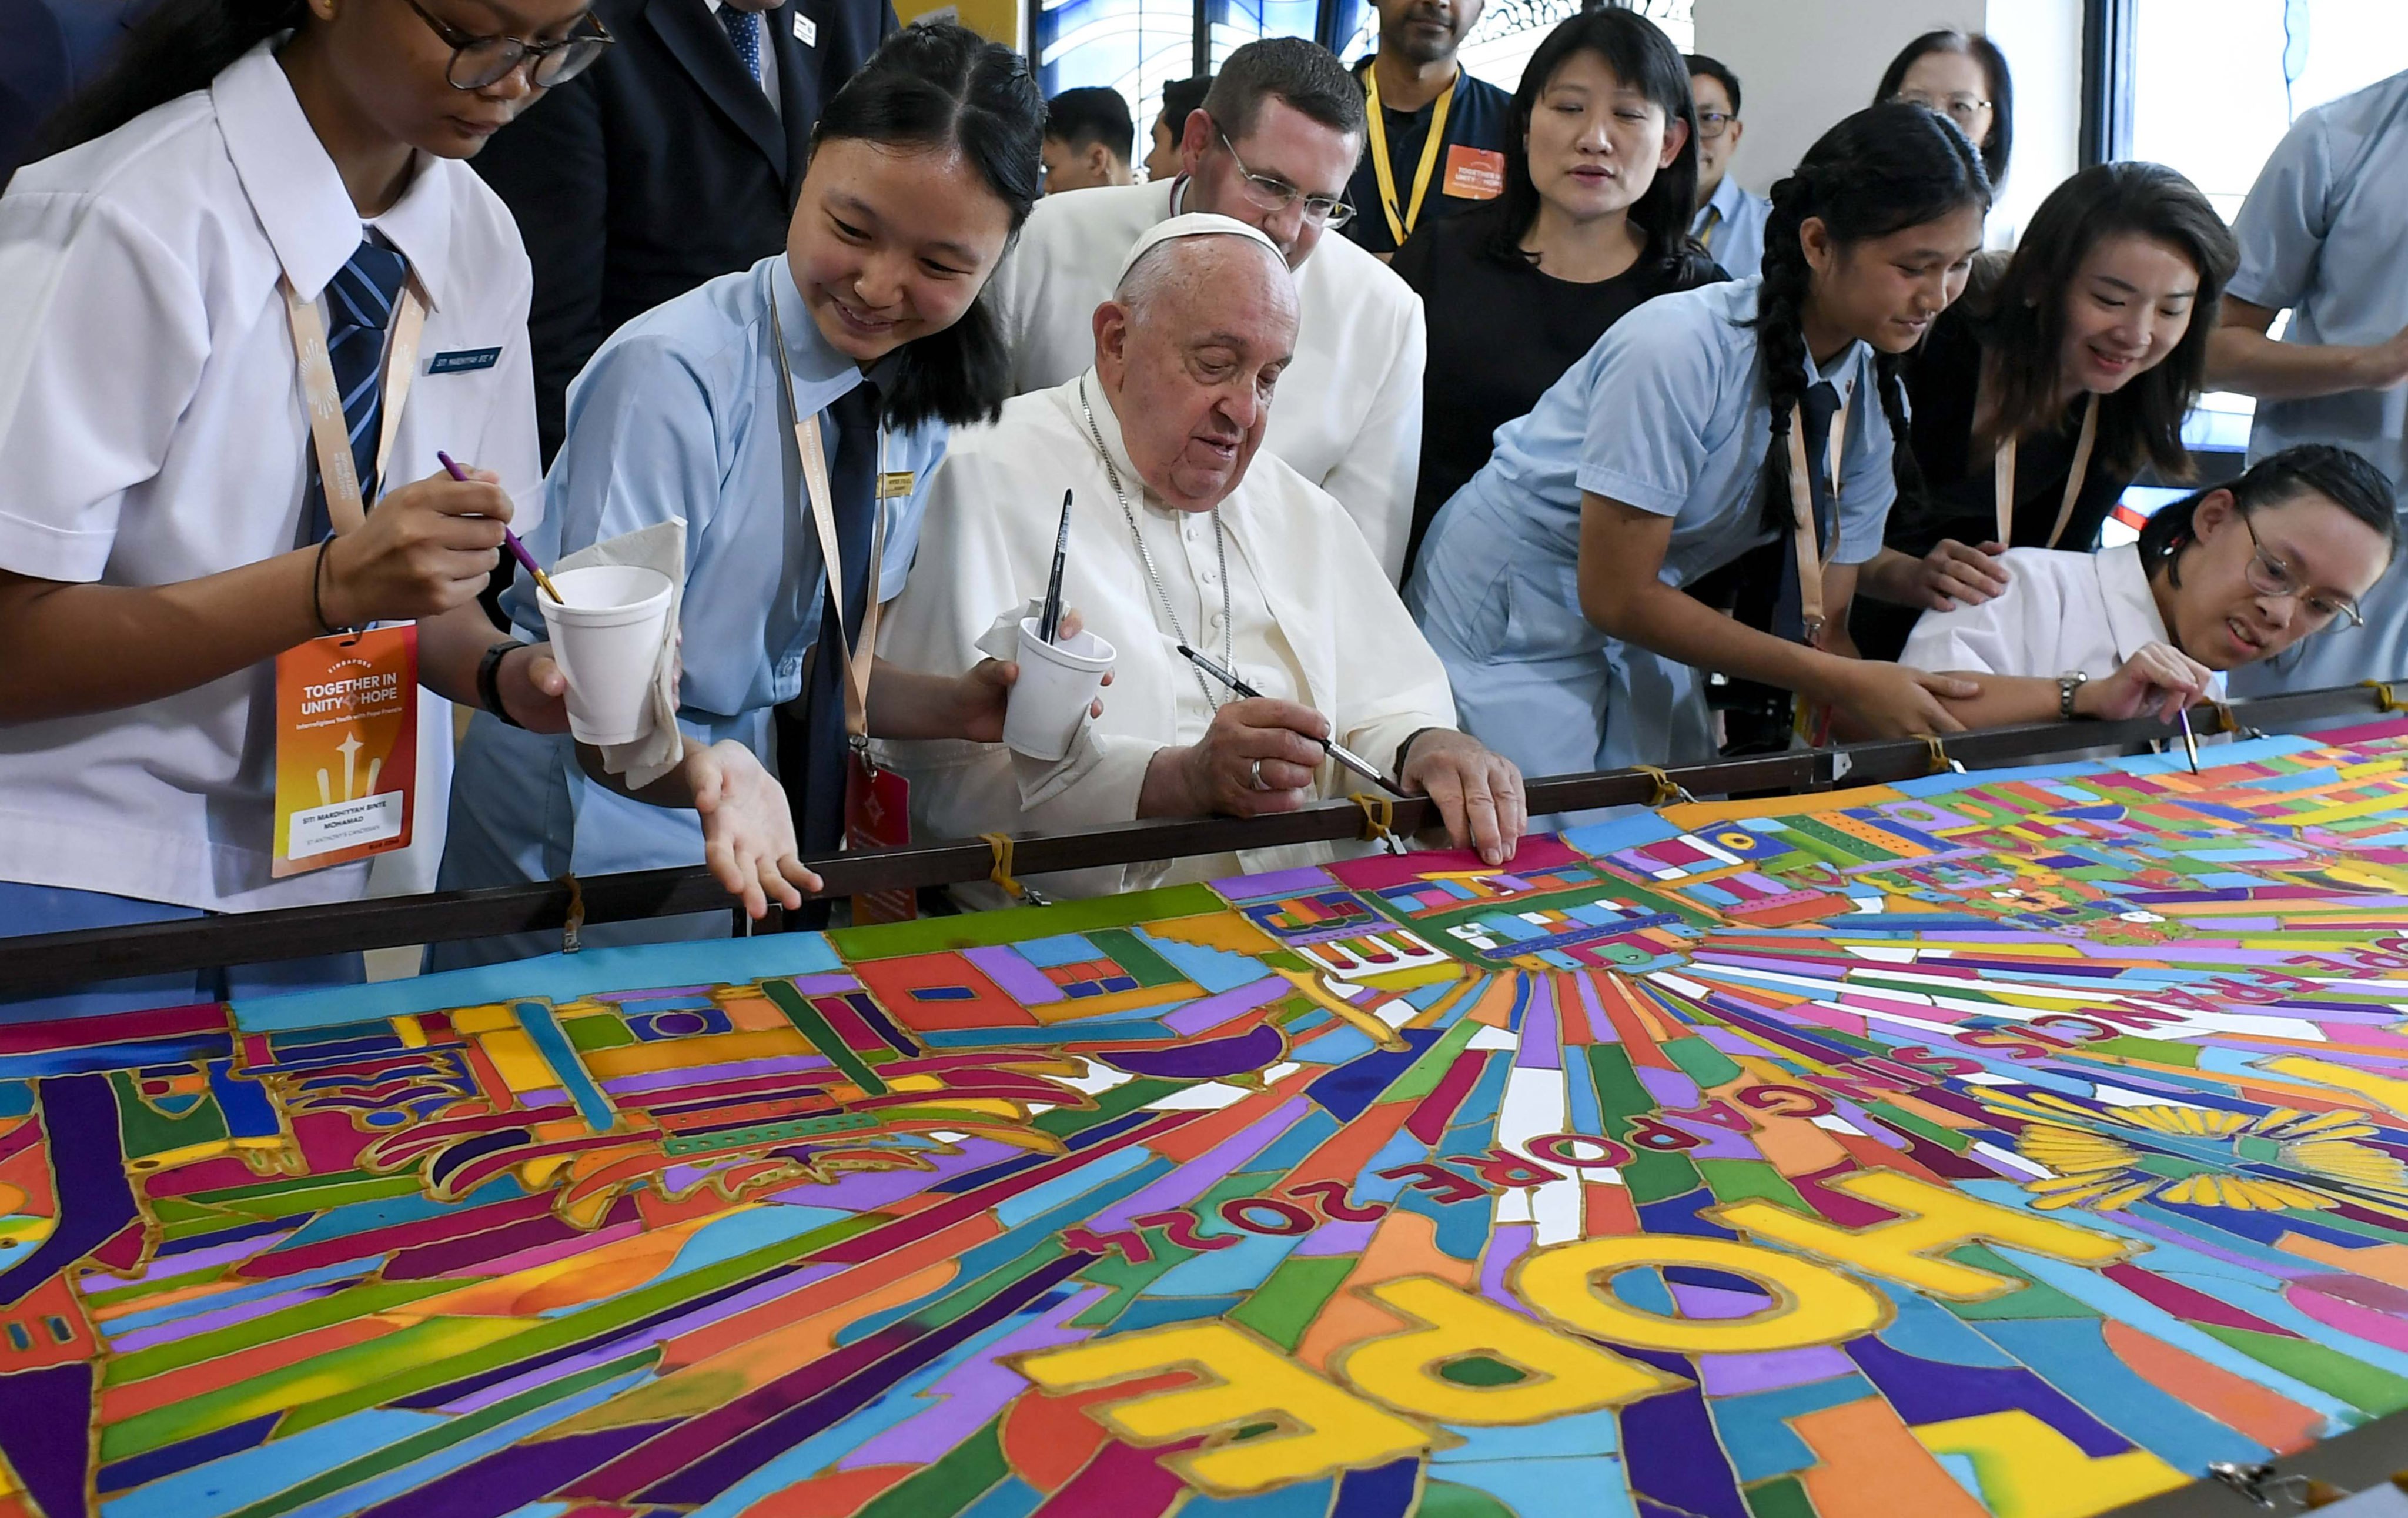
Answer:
(1050, 620)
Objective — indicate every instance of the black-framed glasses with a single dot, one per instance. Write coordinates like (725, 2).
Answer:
(1710, 123)
(1963, 109)
(2269, 576)
(480, 61)
(1269, 193)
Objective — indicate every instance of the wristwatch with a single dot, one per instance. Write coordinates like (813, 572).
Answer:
(2067, 684)
(489, 680)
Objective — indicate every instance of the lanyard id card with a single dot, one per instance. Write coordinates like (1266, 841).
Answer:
(877, 803)
(347, 706)
(346, 748)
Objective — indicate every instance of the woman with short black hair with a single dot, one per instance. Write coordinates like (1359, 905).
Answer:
(1601, 169)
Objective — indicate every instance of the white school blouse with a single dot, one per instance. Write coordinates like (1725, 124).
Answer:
(1348, 416)
(153, 430)
(2061, 612)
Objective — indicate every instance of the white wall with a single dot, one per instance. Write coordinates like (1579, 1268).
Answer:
(1805, 63)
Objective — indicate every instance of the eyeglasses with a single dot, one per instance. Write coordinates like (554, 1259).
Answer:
(2269, 576)
(1268, 192)
(1710, 123)
(480, 61)
(1960, 108)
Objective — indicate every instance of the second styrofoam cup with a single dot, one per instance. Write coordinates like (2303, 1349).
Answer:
(1057, 684)
(607, 640)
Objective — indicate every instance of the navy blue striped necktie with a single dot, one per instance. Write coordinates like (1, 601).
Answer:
(360, 301)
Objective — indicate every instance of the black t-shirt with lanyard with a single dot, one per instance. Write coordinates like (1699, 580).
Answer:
(1959, 498)
(1467, 167)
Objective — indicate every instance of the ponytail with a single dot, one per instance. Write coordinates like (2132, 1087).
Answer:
(941, 85)
(1882, 170)
(177, 48)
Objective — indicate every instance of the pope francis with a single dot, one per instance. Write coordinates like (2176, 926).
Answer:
(1180, 534)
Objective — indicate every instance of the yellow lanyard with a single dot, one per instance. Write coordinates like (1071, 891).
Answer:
(1400, 223)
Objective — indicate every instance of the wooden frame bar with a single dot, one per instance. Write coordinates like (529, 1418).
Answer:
(58, 960)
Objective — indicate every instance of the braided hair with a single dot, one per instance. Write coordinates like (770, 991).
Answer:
(1882, 170)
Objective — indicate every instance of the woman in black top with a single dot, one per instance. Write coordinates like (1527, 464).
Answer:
(2039, 396)
(1601, 168)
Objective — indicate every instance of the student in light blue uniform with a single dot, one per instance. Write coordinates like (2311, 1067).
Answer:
(1552, 584)
(2325, 232)
(926, 166)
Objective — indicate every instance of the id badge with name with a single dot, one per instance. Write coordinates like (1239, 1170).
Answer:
(878, 815)
(346, 748)
(1473, 173)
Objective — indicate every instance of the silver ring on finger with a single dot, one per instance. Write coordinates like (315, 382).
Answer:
(1256, 771)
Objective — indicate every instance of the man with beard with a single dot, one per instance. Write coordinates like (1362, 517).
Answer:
(1437, 135)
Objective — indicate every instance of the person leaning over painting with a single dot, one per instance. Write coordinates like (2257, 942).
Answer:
(263, 209)
(871, 327)
(2038, 397)
(1555, 585)
(2228, 578)
(1437, 135)
(1599, 159)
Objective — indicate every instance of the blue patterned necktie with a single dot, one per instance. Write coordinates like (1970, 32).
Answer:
(360, 302)
(744, 31)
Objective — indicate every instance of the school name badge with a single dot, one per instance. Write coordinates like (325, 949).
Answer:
(346, 748)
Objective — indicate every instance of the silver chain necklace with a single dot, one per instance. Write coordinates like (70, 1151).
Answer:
(1220, 545)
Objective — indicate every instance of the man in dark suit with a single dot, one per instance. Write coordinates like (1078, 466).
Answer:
(674, 160)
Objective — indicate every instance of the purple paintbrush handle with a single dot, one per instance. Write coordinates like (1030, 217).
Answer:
(518, 549)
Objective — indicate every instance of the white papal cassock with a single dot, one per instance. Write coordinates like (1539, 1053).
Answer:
(1311, 619)
(1349, 411)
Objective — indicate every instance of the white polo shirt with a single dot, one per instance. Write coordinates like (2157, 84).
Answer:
(2061, 612)
(152, 431)
(1348, 412)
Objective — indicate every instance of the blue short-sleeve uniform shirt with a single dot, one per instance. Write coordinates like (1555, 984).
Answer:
(1666, 415)
(680, 414)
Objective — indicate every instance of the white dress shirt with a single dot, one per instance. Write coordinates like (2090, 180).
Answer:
(153, 430)
(1314, 621)
(2061, 612)
(1348, 413)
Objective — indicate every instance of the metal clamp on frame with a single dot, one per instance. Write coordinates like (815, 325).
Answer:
(1001, 845)
(572, 927)
(1668, 790)
(1378, 821)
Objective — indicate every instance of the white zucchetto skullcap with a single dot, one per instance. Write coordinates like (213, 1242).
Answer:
(1194, 224)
